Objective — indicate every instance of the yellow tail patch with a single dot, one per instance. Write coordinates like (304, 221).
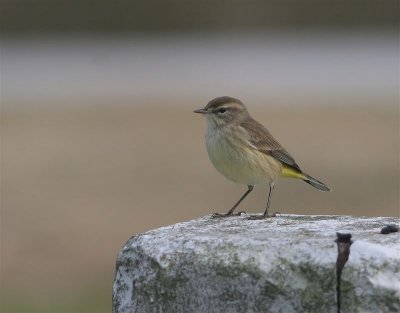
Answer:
(292, 173)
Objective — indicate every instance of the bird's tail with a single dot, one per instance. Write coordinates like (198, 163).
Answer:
(315, 183)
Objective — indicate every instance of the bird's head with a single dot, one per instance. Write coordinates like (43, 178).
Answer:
(224, 111)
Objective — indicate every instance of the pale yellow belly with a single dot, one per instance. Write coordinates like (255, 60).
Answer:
(242, 165)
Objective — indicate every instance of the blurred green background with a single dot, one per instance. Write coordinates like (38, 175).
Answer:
(99, 142)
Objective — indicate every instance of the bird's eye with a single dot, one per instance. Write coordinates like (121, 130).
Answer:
(221, 110)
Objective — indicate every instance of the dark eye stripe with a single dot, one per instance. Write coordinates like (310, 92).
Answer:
(221, 110)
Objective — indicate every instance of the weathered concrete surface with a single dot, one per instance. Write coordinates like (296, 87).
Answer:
(284, 264)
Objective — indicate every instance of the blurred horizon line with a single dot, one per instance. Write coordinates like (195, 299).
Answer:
(276, 65)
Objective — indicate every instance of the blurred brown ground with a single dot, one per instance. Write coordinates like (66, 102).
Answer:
(77, 183)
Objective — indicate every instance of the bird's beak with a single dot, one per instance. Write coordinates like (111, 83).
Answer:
(202, 111)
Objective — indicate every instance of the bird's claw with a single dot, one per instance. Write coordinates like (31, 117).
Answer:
(223, 215)
(262, 217)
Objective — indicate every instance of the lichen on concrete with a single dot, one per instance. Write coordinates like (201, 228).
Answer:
(284, 264)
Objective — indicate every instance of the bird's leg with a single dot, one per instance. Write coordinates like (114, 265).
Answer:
(230, 212)
(265, 215)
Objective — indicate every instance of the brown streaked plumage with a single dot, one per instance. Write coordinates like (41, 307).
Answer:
(263, 141)
(245, 152)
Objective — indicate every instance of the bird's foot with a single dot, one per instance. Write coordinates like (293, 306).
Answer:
(262, 217)
(223, 215)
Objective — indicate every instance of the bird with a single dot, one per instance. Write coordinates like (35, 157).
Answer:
(245, 152)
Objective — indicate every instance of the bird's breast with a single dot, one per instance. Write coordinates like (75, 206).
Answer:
(234, 158)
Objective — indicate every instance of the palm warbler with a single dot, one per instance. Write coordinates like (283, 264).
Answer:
(245, 152)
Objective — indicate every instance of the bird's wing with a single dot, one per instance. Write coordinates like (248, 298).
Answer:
(261, 139)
